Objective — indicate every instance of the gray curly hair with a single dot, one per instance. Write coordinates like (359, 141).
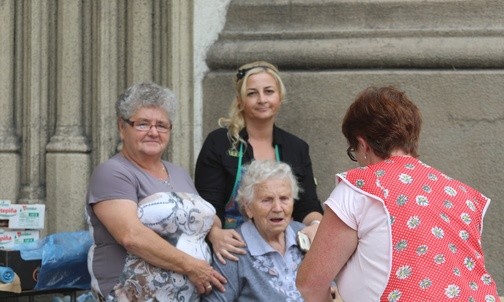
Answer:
(146, 94)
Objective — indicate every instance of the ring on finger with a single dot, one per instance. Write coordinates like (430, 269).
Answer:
(209, 287)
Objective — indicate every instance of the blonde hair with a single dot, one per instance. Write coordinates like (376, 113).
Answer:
(235, 121)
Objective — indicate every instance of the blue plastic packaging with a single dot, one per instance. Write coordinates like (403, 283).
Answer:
(64, 261)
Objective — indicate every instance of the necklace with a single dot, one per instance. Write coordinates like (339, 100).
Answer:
(167, 180)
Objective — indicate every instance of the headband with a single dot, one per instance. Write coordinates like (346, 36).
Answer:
(242, 72)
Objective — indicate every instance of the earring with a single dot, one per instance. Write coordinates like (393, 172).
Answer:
(365, 156)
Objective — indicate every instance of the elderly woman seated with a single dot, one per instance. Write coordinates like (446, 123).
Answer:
(267, 272)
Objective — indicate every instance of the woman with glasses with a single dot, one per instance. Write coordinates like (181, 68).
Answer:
(250, 133)
(147, 220)
(396, 229)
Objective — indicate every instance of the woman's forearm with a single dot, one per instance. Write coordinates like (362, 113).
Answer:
(312, 218)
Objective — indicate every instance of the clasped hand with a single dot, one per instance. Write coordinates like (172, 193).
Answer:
(225, 242)
(205, 278)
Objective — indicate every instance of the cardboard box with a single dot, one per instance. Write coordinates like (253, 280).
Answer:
(10, 238)
(22, 216)
(27, 270)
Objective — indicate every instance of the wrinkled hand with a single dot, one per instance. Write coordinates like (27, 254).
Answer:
(226, 242)
(311, 230)
(205, 278)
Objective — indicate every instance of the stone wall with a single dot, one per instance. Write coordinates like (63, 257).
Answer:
(64, 64)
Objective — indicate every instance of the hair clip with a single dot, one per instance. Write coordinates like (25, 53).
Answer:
(242, 72)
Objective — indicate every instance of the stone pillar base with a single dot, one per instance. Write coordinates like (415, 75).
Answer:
(67, 177)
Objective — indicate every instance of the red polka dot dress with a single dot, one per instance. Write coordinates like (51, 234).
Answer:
(436, 224)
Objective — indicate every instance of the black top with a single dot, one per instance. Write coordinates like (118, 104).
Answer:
(216, 170)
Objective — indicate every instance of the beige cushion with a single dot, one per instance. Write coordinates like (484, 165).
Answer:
(14, 286)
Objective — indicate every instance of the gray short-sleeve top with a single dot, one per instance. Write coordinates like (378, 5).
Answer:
(118, 178)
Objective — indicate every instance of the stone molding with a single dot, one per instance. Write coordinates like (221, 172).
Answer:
(363, 34)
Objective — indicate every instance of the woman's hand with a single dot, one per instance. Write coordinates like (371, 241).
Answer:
(205, 278)
(310, 230)
(226, 242)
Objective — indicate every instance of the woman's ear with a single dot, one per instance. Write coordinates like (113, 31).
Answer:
(248, 212)
(120, 126)
(362, 143)
(239, 103)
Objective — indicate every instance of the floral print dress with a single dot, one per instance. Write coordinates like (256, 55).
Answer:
(183, 219)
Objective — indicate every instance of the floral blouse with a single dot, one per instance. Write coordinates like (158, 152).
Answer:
(436, 224)
(262, 274)
(183, 219)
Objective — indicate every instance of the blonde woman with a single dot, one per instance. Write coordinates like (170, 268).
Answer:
(248, 133)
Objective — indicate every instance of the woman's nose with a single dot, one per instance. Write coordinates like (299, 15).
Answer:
(153, 130)
(277, 205)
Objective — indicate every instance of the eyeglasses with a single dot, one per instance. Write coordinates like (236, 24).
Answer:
(350, 152)
(145, 126)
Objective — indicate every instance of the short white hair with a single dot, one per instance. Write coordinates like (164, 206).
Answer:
(259, 171)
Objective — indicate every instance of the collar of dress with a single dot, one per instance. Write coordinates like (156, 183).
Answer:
(257, 246)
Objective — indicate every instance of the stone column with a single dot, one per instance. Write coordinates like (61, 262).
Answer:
(68, 161)
(177, 53)
(34, 95)
(108, 77)
(9, 144)
(139, 43)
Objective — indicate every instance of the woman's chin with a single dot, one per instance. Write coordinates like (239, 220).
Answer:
(156, 151)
